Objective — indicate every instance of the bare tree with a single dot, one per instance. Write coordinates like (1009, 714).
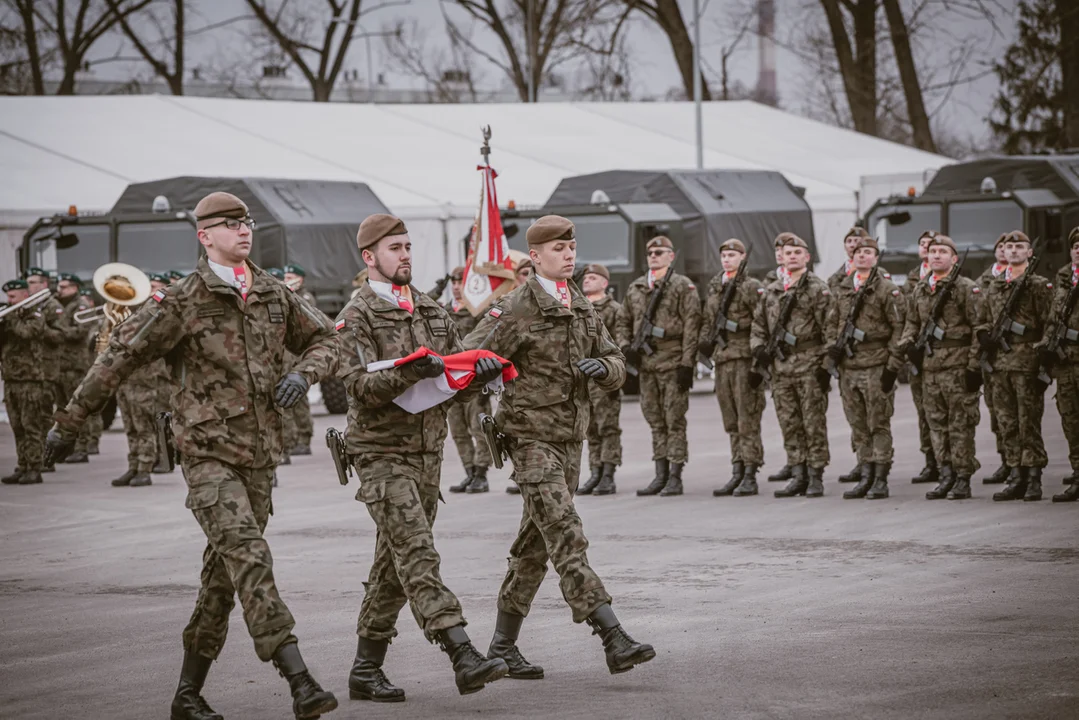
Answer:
(908, 74)
(451, 76)
(22, 67)
(171, 42)
(857, 64)
(1068, 17)
(668, 16)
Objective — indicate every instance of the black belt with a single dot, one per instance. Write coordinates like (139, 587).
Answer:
(1023, 339)
(738, 333)
(952, 343)
(800, 347)
(871, 345)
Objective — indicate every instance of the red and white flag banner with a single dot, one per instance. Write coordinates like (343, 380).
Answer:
(459, 374)
(489, 269)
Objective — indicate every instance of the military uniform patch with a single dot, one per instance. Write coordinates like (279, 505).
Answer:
(159, 295)
(339, 326)
(277, 313)
(760, 291)
(495, 312)
(895, 293)
(975, 290)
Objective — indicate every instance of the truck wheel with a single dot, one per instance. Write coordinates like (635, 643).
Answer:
(334, 396)
(108, 413)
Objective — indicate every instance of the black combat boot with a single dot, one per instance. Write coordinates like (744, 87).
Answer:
(592, 482)
(30, 477)
(1070, 479)
(674, 483)
(463, 487)
(623, 652)
(663, 470)
(513, 489)
(472, 670)
(961, 489)
(309, 700)
(13, 478)
(738, 468)
(748, 485)
(855, 475)
(999, 476)
(366, 681)
(1034, 485)
(285, 460)
(879, 491)
(94, 448)
(798, 484)
(504, 645)
(49, 468)
(606, 481)
(930, 473)
(125, 479)
(815, 488)
(188, 703)
(301, 449)
(479, 481)
(947, 481)
(76, 458)
(1016, 487)
(864, 483)
(785, 473)
(141, 479)
(161, 467)
(1070, 494)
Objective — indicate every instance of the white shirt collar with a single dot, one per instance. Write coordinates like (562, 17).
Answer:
(384, 290)
(550, 286)
(225, 272)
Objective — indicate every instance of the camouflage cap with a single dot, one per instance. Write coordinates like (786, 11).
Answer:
(277, 273)
(1073, 236)
(661, 241)
(733, 244)
(597, 269)
(458, 273)
(295, 269)
(785, 239)
(857, 231)
(219, 205)
(548, 229)
(16, 285)
(71, 277)
(945, 241)
(867, 242)
(375, 227)
(34, 272)
(1015, 236)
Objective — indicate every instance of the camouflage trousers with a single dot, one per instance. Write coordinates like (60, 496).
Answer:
(464, 420)
(741, 407)
(1019, 407)
(604, 428)
(232, 505)
(992, 415)
(547, 474)
(802, 410)
(1067, 377)
(868, 410)
(29, 410)
(664, 406)
(65, 388)
(297, 425)
(139, 408)
(925, 437)
(953, 414)
(401, 494)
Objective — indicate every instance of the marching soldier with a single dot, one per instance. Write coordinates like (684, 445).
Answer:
(785, 473)
(1065, 363)
(1018, 394)
(665, 359)
(929, 473)
(726, 322)
(398, 458)
(553, 336)
(300, 426)
(225, 328)
(74, 355)
(800, 384)
(521, 274)
(604, 428)
(948, 366)
(991, 273)
(464, 417)
(868, 317)
(27, 394)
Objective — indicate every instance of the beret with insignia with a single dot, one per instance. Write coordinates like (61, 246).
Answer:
(15, 285)
(788, 238)
(1015, 236)
(375, 227)
(277, 273)
(597, 269)
(733, 244)
(295, 269)
(1073, 236)
(219, 205)
(548, 229)
(71, 277)
(458, 273)
(856, 231)
(34, 272)
(865, 241)
(659, 241)
(945, 241)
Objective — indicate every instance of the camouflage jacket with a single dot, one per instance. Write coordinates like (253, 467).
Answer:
(544, 340)
(743, 305)
(836, 278)
(54, 337)
(371, 329)
(463, 319)
(679, 314)
(808, 323)
(1032, 312)
(74, 356)
(1063, 286)
(958, 318)
(913, 278)
(881, 319)
(607, 308)
(226, 357)
(22, 345)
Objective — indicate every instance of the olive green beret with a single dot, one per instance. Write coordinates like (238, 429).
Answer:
(548, 229)
(597, 269)
(71, 277)
(276, 272)
(15, 285)
(1013, 236)
(295, 269)
(458, 273)
(856, 231)
(34, 271)
(944, 240)
(219, 205)
(659, 241)
(733, 244)
(788, 238)
(1073, 236)
(378, 226)
(867, 242)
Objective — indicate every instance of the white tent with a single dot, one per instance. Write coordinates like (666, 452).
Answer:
(419, 159)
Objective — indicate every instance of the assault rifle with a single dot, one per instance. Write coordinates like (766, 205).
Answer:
(723, 324)
(850, 334)
(931, 329)
(641, 344)
(779, 335)
(1004, 324)
(1058, 335)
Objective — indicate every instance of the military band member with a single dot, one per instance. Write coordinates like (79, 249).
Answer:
(740, 403)
(991, 273)
(224, 329)
(929, 473)
(1018, 394)
(551, 333)
(28, 396)
(950, 375)
(95, 425)
(74, 356)
(800, 384)
(666, 375)
(1066, 369)
(298, 420)
(867, 377)
(604, 426)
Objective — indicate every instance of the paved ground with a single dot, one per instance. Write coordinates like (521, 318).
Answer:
(758, 607)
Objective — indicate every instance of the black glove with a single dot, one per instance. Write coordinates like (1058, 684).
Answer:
(835, 354)
(429, 366)
(632, 358)
(291, 388)
(487, 369)
(685, 378)
(592, 368)
(823, 379)
(1047, 358)
(58, 445)
(914, 355)
(760, 354)
(972, 379)
(755, 379)
(985, 341)
(887, 380)
(706, 348)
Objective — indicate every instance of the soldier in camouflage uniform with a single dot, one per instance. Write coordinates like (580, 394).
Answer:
(223, 330)
(1066, 369)
(867, 377)
(298, 420)
(398, 458)
(785, 473)
(800, 384)
(74, 356)
(94, 425)
(27, 396)
(667, 374)
(464, 417)
(604, 426)
(740, 404)
(53, 338)
(522, 272)
(950, 375)
(929, 473)
(991, 273)
(1018, 394)
(559, 345)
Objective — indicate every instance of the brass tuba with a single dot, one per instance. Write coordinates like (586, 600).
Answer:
(123, 286)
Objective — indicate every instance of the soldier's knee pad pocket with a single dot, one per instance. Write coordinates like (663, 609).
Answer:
(201, 496)
(550, 502)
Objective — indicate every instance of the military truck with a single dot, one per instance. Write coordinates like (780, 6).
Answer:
(312, 223)
(974, 202)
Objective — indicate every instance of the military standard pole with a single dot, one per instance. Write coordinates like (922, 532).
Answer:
(697, 81)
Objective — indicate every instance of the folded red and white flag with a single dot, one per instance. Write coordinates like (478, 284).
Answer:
(460, 371)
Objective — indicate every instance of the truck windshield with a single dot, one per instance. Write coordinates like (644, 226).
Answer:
(602, 239)
(982, 222)
(90, 252)
(898, 227)
(158, 246)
